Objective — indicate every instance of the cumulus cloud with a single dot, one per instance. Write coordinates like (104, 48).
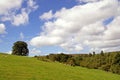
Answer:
(110, 37)
(10, 13)
(2, 28)
(32, 4)
(70, 46)
(20, 18)
(80, 26)
(7, 5)
(88, 0)
(113, 30)
(47, 15)
(46, 41)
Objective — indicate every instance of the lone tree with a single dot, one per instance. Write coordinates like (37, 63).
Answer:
(20, 48)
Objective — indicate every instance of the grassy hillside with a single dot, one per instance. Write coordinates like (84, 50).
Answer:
(25, 68)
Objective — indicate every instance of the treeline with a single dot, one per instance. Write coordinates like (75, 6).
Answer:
(104, 61)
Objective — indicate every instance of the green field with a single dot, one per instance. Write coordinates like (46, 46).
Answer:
(26, 68)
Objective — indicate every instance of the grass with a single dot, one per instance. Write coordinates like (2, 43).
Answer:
(26, 68)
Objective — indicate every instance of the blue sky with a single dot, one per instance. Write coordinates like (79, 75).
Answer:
(54, 26)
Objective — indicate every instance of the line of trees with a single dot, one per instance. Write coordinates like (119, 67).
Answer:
(104, 61)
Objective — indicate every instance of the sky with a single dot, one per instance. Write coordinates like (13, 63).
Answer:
(55, 26)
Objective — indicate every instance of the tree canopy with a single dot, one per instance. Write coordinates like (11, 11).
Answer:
(20, 48)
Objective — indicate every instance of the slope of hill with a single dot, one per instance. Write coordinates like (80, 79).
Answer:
(26, 68)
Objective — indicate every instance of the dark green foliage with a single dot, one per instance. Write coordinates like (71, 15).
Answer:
(77, 60)
(115, 69)
(71, 61)
(59, 57)
(105, 67)
(63, 57)
(93, 53)
(20, 48)
(90, 54)
(116, 59)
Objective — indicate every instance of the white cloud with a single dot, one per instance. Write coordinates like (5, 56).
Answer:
(32, 4)
(88, 0)
(113, 30)
(110, 38)
(7, 5)
(45, 41)
(80, 26)
(70, 46)
(47, 15)
(112, 49)
(2, 28)
(10, 13)
(20, 18)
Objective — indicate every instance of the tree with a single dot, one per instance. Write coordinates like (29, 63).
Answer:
(20, 48)
(102, 53)
(93, 53)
